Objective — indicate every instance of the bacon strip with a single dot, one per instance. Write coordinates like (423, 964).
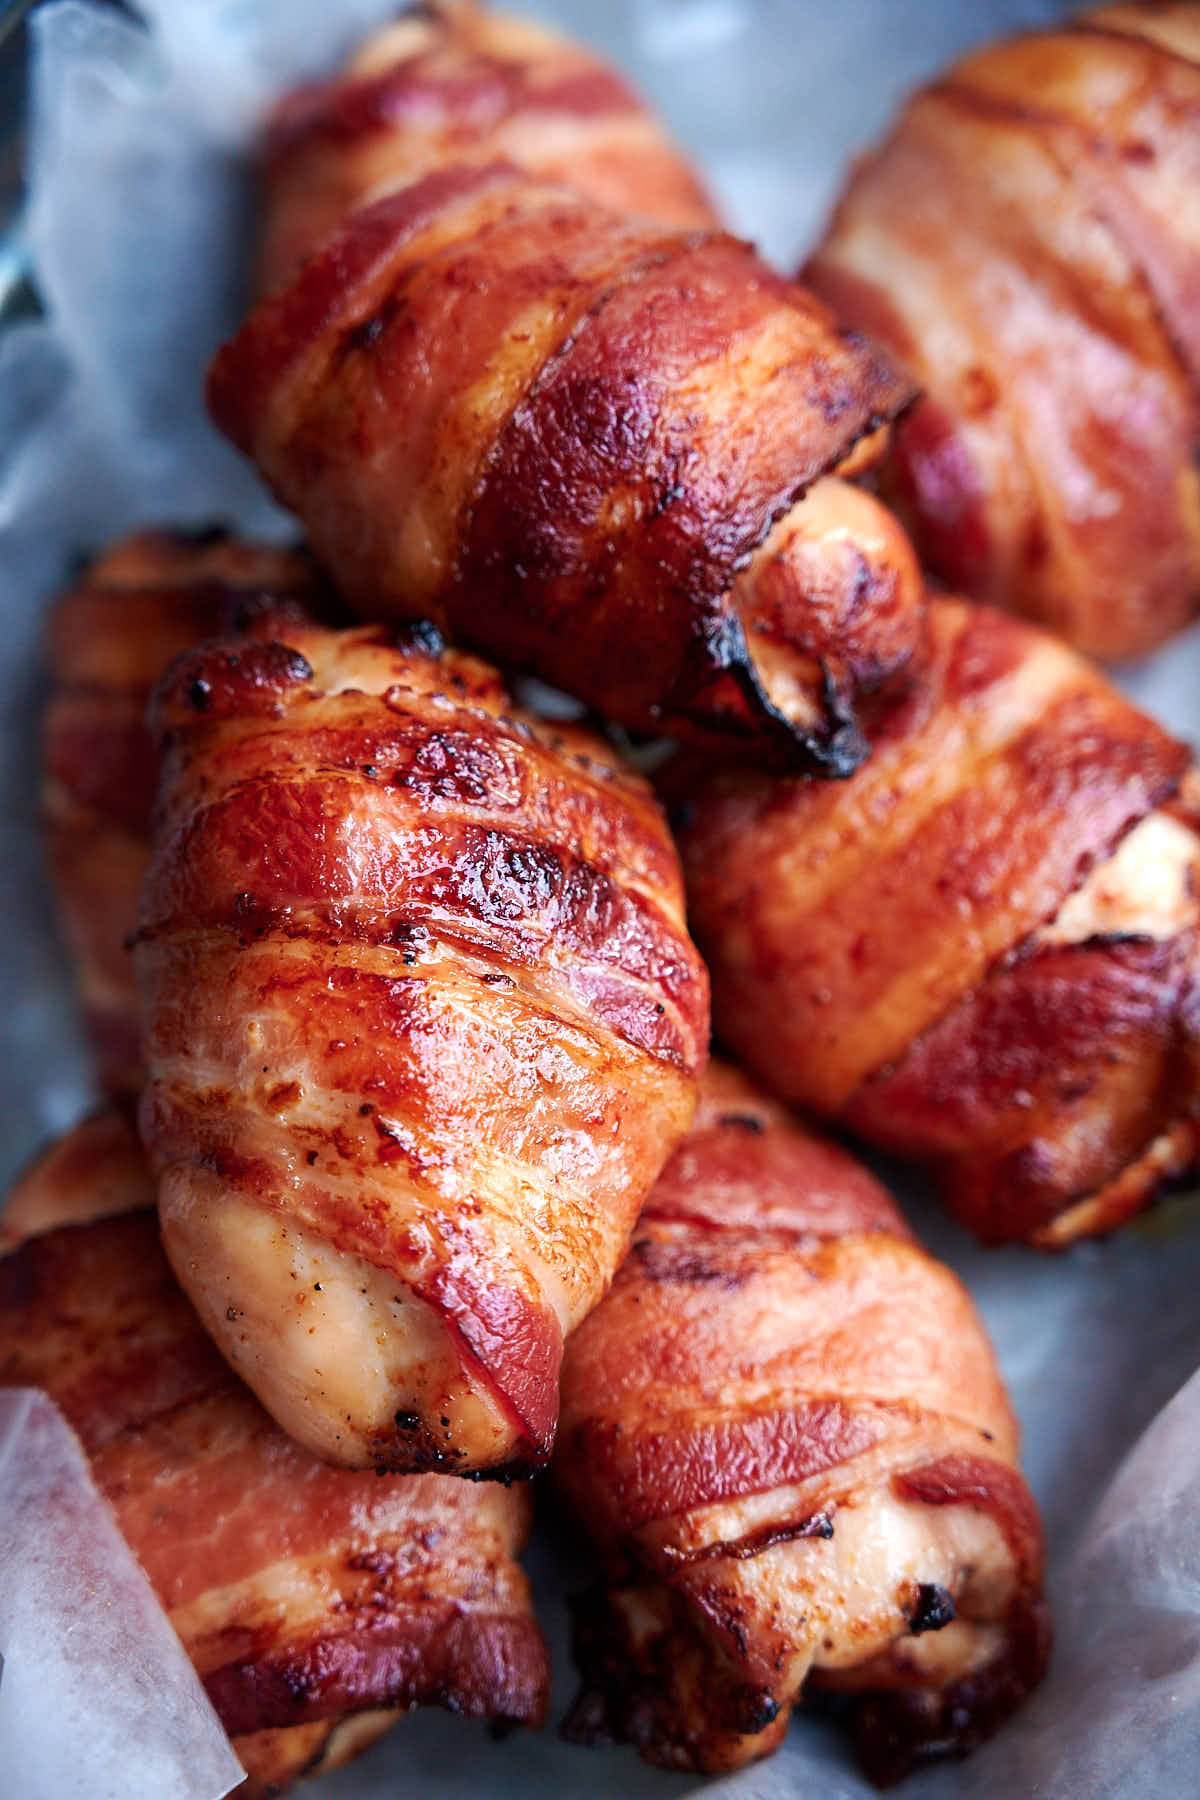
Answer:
(1027, 244)
(309, 1598)
(577, 426)
(110, 637)
(455, 83)
(423, 1023)
(982, 951)
(785, 1430)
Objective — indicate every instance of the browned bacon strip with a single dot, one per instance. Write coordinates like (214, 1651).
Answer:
(1027, 244)
(983, 950)
(591, 445)
(423, 1023)
(309, 1598)
(111, 636)
(454, 82)
(785, 1430)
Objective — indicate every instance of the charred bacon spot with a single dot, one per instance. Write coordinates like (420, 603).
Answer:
(686, 1264)
(893, 1732)
(296, 667)
(933, 1609)
(816, 1525)
(252, 918)
(368, 331)
(422, 636)
(761, 1710)
(411, 1449)
(505, 1475)
(723, 693)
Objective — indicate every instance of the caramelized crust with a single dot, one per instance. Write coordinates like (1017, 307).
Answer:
(455, 83)
(307, 1597)
(423, 1023)
(1027, 244)
(110, 637)
(981, 951)
(785, 1430)
(582, 442)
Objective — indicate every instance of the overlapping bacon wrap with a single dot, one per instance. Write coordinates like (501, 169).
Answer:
(1027, 244)
(454, 82)
(422, 1025)
(111, 636)
(592, 445)
(785, 1430)
(982, 951)
(313, 1601)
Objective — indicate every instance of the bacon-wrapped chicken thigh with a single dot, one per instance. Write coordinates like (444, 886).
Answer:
(785, 1429)
(313, 1601)
(981, 952)
(591, 445)
(1027, 244)
(422, 1022)
(110, 638)
(454, 82)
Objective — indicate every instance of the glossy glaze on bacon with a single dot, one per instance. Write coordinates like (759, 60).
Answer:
(589, 445)
(458, 83)
(1027, 243)
(308, 1597)
(423, 1023)
(982, 951)
(785, 1430)
(110, 638)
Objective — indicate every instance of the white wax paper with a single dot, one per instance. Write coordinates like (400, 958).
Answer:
(139, 209)
(91, 1665)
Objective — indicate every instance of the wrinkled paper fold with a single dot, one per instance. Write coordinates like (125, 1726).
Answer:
(97, 1696)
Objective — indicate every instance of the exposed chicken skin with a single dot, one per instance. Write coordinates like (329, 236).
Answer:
(111, 636)
(1027, 244)
(309, 1598)
(785, 1429)
(580, 439)
(456, 83)
(274, 1759)
(982, 951)
(423, 1023)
